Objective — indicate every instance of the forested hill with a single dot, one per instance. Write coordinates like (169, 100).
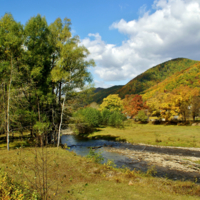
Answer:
(154, 76)
(185, 82)
(151, 77)
(101, 93)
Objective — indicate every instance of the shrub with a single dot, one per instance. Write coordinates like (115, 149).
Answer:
(114, 118)
(89, 115)
(105, 116)
(96, 157)
(141, 116)
(11, 190)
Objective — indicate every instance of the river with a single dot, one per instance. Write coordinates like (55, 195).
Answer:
(173, 163)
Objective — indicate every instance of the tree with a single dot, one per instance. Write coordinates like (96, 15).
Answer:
(89, 115)
(112, 102)
(42, 67)
(37, 57)
(10, 50)
(70, 71)
(195, 106)
(153, 107)
(133, 104)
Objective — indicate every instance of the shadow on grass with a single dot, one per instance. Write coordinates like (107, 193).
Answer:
(108, 137)
(16, 142)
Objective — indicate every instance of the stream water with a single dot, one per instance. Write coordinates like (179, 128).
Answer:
(81, 146)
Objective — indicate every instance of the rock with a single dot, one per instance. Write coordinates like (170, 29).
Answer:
(194, 124)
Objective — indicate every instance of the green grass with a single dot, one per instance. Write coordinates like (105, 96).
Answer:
(179, 136)
(73, 177)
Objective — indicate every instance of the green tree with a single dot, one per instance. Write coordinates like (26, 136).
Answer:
(11, 41)
(38, 72)
(70, 70)
(116, 119)
(89, 115)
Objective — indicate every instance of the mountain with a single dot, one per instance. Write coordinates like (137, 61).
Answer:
(155, 75)
(98, 89)
(186, 81)
(149, 79)
(101, 93)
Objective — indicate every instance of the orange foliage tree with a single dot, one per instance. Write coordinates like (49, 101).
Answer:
(132, 104)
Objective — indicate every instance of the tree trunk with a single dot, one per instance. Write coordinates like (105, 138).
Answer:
(60, 84)
(61, 118)
(8, 105)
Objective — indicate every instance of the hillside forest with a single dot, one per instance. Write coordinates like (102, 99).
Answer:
(166, 92)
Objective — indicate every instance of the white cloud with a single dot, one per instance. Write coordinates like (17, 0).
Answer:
(101, 84)
(171, 31)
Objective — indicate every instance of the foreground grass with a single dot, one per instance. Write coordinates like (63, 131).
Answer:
(64, 175)
(179, 136)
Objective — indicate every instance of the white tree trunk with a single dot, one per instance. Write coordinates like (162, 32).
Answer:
(61, 118)
(8, 106)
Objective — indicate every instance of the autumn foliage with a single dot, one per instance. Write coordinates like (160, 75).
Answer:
(112, 102)
(133, 104)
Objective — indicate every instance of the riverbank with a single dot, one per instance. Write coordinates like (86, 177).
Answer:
(172, 150)
(159, 135)
(70, 176)
(176, 163)
(173, 163)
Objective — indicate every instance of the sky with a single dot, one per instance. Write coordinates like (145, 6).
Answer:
(125, 38)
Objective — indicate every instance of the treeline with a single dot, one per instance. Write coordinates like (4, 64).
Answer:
(112, 112)
(181, 105)
(41, 68)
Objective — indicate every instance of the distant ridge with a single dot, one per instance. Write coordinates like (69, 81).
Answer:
(101, 93)
(98, 89)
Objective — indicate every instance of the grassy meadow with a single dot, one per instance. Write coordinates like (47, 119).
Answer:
(56, 173)
(67, 176)
(170, 135)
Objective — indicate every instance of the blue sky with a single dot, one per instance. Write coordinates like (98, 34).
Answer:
(126, 37)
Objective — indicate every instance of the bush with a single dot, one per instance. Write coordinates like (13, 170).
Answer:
(141, 116)
(114, 118)
(96, 157)
(105, 116)
(12, 190)
(89, 115)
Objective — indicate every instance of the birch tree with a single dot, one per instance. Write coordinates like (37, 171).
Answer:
(71, 68)
(11, 41)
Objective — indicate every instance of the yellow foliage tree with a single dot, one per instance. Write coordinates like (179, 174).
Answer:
(112, 102)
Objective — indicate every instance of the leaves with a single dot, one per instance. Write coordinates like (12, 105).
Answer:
(113, 103)
(133, 104)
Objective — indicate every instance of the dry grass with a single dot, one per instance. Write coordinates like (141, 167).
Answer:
(180, 136)
(73, 177)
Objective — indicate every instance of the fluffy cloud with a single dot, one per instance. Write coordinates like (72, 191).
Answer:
(170, 30)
